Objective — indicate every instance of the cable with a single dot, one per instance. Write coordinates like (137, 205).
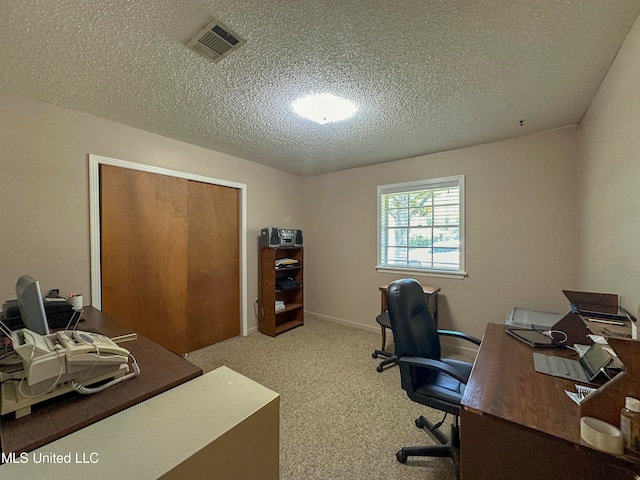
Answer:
(97, 355)
(439, 424)
(549, 333)
(255, 310)
(89, 390)
(8, 354)
(78, 310)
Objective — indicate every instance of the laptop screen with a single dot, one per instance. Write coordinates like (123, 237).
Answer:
(596, 304)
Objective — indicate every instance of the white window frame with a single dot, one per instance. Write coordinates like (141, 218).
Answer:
(424, 185)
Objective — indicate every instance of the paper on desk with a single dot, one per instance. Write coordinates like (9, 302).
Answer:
(580, 394)
(598, 339)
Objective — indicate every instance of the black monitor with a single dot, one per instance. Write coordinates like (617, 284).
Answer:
(31, 305)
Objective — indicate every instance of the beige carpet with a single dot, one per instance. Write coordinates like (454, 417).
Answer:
(339, 417)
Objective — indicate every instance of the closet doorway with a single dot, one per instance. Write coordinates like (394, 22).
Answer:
(170, 253)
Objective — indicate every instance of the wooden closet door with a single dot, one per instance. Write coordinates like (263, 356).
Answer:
(170, 257)
(144, 253)
(214, 266)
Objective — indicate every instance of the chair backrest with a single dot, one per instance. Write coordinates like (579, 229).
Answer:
(414, 330)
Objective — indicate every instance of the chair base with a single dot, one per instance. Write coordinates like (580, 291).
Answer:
(390, 359)
(449, 446)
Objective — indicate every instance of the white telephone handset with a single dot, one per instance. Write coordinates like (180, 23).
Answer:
(88, 348)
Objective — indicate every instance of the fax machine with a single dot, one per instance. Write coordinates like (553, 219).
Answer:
(60, 363)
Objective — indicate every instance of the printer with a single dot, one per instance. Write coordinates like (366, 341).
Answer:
(57, 310)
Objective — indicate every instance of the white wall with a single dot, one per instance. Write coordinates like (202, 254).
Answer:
(521, 222)
(610, 179)
(44, 190)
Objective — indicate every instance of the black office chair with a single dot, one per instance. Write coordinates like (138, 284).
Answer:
(427, 378)
(389, 358)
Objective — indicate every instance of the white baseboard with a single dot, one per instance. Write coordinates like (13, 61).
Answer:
(369, 328)
(446, 346)
(251, 330)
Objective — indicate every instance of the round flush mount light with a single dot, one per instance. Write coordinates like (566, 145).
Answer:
(324, 108)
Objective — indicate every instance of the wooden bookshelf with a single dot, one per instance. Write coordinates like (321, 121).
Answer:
(270, 321)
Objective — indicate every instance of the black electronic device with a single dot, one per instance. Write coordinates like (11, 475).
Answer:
(273, 237)
(287, 283)
(533, 338)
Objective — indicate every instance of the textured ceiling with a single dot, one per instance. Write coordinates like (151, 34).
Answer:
(427, 76)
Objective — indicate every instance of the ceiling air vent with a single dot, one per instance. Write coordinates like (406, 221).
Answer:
(215, 41)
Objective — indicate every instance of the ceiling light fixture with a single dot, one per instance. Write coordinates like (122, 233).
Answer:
(324, 108)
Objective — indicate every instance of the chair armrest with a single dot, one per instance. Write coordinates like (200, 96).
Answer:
(463, 336)
(433, 365)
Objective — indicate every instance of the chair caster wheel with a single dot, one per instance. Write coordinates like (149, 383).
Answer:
(374, 355)
(401, 457)
(379, 368)
(419, 423)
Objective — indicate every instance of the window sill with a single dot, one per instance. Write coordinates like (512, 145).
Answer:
(421, 272)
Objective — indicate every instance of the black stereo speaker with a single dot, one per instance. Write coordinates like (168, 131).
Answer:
(269, 237)
(297, 240)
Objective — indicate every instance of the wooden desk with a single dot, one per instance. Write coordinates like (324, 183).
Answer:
(51, 420)
(517, 423)
(432, 300)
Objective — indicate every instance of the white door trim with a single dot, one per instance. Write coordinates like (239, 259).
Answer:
(94, 222)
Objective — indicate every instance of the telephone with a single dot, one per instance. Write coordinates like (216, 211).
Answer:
(59, 363)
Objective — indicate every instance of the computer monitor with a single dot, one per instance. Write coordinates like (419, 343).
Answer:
(31, 305)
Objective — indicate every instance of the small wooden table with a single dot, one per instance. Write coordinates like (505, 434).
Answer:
(432, 300)
(160, 370)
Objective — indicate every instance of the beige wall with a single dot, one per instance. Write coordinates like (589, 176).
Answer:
(532, 228)
(610, 179)
(44, 190)
(520, 221)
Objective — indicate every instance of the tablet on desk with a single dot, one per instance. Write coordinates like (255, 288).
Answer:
(533, 338)
(586, 370)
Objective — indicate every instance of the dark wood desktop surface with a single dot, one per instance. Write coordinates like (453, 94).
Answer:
(505, 384)
(48, 421)
(524, 421)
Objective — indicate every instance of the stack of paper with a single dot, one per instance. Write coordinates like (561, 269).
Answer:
(286, 262)
(279, 305)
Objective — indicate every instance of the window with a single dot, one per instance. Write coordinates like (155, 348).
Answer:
(421, 227)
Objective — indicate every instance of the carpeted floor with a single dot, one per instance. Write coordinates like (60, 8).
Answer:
(339, 417)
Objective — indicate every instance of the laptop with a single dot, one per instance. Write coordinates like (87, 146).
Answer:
(583, 303)
(533, 338)
(585, 370)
